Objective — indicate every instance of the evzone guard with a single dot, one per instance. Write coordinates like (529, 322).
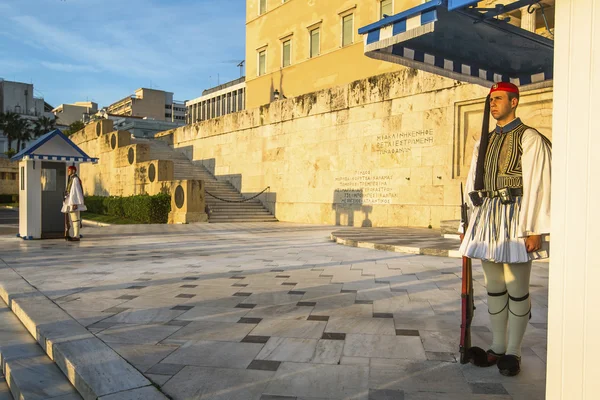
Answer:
(508, 189)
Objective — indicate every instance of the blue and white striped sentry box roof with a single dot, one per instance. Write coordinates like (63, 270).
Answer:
(54, 146)
(460, 45)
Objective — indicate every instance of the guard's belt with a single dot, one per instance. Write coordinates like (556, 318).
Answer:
(497, 193)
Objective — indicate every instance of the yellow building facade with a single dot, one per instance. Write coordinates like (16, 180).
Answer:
(295, 47)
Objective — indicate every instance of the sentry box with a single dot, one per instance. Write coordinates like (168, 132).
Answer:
(42, 184)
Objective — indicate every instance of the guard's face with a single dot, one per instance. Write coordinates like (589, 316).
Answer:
(500, 105)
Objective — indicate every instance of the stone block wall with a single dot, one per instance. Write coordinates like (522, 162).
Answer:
(124, 169)
(390, 150)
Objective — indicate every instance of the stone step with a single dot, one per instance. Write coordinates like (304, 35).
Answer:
(248, 217)
(240, 212)
(29, 372)
(235, 206)
(89, 364)
(4, 390)
(241, 220)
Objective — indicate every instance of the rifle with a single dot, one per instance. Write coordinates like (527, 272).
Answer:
(467, 301)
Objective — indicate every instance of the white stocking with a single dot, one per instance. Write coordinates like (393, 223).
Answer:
(519, 306)
(497, 303)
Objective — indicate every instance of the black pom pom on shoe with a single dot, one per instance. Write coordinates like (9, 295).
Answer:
(509, 365)
(482, 358)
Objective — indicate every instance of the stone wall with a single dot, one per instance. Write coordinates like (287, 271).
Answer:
(390, 150)
(9, 182)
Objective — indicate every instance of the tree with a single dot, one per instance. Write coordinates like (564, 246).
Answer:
(23, 132)
(15, 128)
(43, 125)
(74, 127)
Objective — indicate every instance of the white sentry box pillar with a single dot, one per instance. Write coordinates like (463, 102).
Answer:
(30, 199)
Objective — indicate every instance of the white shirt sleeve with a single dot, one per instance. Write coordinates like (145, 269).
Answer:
(536, 160)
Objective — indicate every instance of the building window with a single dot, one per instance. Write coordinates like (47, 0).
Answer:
(385, 8)
(287, 53)
(347, 30)
(262, 63)
(262, 7)
(315, 45)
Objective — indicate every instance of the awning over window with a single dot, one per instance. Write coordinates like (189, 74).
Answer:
(461, 45)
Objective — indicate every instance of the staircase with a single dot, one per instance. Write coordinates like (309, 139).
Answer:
(220, 211)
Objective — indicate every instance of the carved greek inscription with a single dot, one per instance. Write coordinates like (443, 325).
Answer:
(403, 142)
(364, 187)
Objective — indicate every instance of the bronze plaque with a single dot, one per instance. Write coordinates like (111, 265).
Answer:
(113, 141)
(98, 129)
(179, 196)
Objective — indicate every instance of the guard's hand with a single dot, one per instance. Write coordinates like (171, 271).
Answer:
(533, 243)
(74, 207)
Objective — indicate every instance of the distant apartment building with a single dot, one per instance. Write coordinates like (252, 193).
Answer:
(224, 99)
(150, 103)
(18, 97)
(66, 114)
(140, 127)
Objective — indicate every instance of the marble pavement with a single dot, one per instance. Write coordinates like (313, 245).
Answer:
(276, 312)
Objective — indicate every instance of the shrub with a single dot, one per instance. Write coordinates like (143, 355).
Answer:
(143, 208)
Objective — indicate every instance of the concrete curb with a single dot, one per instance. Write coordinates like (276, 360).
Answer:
(87, 222)
(396, 249)
(92, 367)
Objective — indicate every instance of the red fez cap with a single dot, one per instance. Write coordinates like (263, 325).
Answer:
(72, 167)
(505, 87)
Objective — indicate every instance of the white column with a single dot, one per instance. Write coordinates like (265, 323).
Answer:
(528, 20)
(574, 294)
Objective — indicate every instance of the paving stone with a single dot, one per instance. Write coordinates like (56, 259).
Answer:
(487, 388)
(218, 383)
(328, 352)
(288, 349)
(146, 393)
(215, 354)
(383, 346)
(386, 394)
(255, 339)
(285, 311)
(152, 316)
(211, 330)
(137, 334)
(320, 380)
(290, 328)
(373, 326)
(415, 376)
(143, 356)
(165, 369)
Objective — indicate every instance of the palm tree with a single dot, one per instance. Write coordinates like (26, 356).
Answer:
(9, 123)
(43, 125)
(23, 132)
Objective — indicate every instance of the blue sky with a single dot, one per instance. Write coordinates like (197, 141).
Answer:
(102, 50)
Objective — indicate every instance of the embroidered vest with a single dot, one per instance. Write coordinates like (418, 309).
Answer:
(503, 159)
